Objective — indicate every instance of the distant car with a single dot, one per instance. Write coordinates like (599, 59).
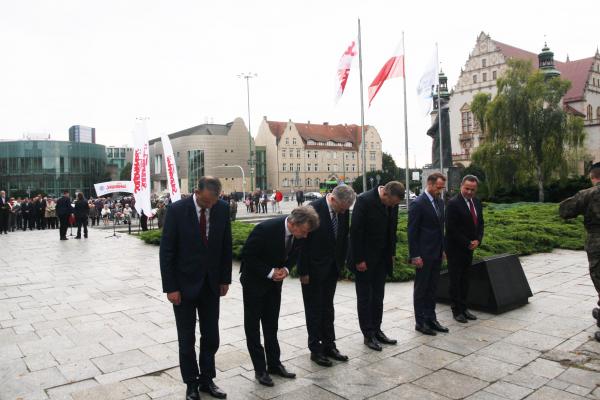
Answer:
(312, 195)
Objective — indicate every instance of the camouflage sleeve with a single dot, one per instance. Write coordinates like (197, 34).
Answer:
(573, 206)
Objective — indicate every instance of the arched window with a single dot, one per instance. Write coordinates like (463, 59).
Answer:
(285, 182)
(317, 182)
(598, 113)
(308, 182)
(590, 114)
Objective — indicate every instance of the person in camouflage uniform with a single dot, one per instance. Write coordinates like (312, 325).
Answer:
(587, 203)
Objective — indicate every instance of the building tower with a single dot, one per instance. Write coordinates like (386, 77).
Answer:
(546, 63)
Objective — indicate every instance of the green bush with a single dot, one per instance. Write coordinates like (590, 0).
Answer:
(519, 228)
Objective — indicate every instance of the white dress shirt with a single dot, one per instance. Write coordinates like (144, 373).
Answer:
(206, 213)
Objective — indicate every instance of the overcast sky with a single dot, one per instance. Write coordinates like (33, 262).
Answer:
(104, 63)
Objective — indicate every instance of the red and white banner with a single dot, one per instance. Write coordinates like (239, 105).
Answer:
(171, 168)
(140, 168)
(393, 68)
(113, 187)
(343, 70)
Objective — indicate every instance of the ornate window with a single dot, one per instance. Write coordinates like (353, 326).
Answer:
(474, 78)
(294, 141)
(308, 182)
(467, 122)
(590, 114)
(284, 167)
(484, 63)
(484, 77)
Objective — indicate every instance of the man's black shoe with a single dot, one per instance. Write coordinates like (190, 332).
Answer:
(425, 330)
(263, 378)
(596, 313)
(336, 355)
(597, 336)
(321, 360)
(191, 393)
(462, 318)
(282, 372)
(373, 344)
(382, 338)
(469, 315)
(77, 237)
(437, 327)
(213, 390)
(64, 238)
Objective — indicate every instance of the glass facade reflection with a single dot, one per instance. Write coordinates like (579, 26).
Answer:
(195, 168)
(48, 166)
(261, 167)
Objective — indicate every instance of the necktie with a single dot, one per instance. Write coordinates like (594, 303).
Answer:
(288, 244)
(203, 226)
(435, 206)
(334, 223)
(473, 214)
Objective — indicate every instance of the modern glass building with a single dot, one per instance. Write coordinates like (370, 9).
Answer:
(49, 166)
(80, 133)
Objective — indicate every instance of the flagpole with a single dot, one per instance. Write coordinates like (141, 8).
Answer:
(405, 124)
(439, 102)
(362, 113)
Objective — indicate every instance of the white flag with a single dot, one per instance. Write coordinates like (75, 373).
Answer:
(140, 168)
(171, 168)
(113, 187)
(427, 83)
(343, 69)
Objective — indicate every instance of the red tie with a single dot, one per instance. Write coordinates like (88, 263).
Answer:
(472, 209)
(203, 226)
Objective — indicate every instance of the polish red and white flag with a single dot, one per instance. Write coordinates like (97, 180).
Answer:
(344, 66)
(393, 68)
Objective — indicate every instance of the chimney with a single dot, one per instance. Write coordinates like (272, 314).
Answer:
(265, 117)
(325, 123)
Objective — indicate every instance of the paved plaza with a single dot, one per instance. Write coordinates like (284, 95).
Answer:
(87, 319)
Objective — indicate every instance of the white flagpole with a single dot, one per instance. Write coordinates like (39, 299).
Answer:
(362, 113)
(439, 102)
(405, 124)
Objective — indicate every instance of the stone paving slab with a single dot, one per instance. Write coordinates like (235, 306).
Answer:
(87, 320)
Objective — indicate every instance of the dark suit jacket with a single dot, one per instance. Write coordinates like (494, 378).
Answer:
(185, 261)
(321, 249)
(372, 232)
(82, 210)
(460, 228)
(264, 250)
(425, 229)
(63, 207)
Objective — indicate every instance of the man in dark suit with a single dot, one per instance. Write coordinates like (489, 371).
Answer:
(426, 248)
(195, 265)
(63, 210)
(464, 233)
(26, 210)
(372, 254)
(322, 259)
(4, 212)
(269, 253)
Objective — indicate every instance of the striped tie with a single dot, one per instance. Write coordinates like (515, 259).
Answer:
(334, 223)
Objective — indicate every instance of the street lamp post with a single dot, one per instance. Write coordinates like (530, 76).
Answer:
(243, 177)
(247, 77)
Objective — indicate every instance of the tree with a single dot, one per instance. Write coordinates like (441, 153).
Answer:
(388, 164)
(125, 174)
(525, 127)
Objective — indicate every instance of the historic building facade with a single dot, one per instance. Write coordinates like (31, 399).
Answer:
(488, 61)
(208, 149)
(304, 155)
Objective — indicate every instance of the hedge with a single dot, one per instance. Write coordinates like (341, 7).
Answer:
(520, 228)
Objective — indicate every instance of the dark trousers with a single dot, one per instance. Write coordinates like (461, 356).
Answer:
(262, 309)
(370, 290)
(318, 297)
(82, 222)
(425, 288)
(144, 222)
(64, 225)
(458, 268)
(4, 221)
(206, 307)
